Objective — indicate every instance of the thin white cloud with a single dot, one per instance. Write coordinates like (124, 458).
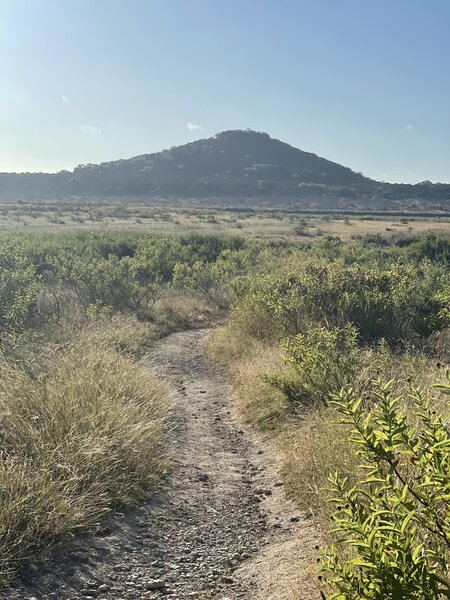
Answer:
(65, 99)
(90, 129)
(409, 127)
(194, 126)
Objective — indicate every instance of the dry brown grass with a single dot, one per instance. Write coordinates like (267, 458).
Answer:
(124, 333)
(248, 361)
(314, 447)
(178, 311)
(259, 402)
(83, 437)
(51, 216)
(228, 344)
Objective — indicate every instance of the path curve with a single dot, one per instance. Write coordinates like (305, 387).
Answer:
(220, 527)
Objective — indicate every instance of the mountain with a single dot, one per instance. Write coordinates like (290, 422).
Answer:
(233, 167)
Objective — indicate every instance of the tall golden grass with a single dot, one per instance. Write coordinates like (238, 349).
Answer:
(85, 435)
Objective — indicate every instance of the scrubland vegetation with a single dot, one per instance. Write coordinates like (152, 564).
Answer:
(340, 351)
(326, 344)
(83, 424)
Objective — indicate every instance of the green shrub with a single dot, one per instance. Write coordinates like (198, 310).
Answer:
(395, 303)
(435, 248)
(109, 282)
(19, 291)
(201, 278)
(396, 522)
(321, 362)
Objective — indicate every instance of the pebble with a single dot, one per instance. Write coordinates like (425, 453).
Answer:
(159, 564)
(156, 584)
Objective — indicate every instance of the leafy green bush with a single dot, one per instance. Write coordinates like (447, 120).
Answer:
(321, 362)
(19, 291)
(161, 254)
(201, 278)
(110, 282)
(435, 248)
(396, 522)
(395, 303)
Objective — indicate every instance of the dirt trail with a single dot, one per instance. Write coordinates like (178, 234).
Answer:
(220, 527)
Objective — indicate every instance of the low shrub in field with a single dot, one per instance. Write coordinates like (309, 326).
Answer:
(116, 283)
(395, 303)
(321, 361)
(19, 291)
(396, 521)
(203, 279)
(432, 247)
(86, 436)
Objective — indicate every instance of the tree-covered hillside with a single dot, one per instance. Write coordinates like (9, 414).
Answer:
(232, 166)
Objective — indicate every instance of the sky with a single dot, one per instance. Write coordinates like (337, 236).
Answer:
(365, 83)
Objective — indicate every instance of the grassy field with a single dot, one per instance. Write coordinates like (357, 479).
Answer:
(258, 224)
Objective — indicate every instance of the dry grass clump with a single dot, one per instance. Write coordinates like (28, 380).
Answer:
(178, 311)
(259, 401)
(87, 436)
(122, 332)
(228, 344)
(438, 345)
(248, 360)
(313, 448)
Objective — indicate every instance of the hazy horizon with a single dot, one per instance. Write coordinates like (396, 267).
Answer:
(362, 84)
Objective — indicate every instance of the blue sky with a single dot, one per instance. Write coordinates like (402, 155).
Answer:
(363, 82)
